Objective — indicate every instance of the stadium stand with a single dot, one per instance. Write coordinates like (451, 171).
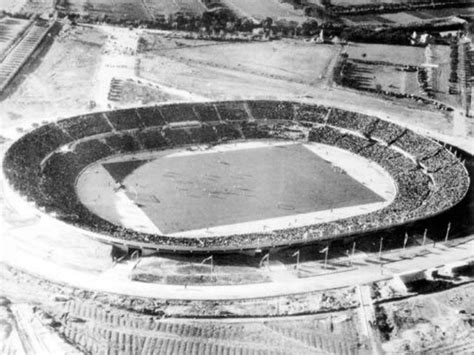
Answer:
(269, 110)
(122, 143)
(386, 131)
(415, 145)
(227, 132)
(311, 113)
(178, 113)
(206, 113)
(232, 111)
(90, 151)
(350, 120)
(124, 119)
(151, 139)
(43, 165)
(85, 126)
(205, 134)
(151, 116)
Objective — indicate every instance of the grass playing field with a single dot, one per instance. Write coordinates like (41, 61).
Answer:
(183, 192)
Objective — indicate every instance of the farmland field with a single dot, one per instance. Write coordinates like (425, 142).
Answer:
(369, 2)
(401, 18)
(133, 10)
(465, 11)
(117, 9)
(35, 6)
(160, 7)
(262, 9)
(8, 4)
(406, 17)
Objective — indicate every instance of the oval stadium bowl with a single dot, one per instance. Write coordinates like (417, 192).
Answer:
(233, 175)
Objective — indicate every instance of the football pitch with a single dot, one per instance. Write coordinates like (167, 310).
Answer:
(185, 192)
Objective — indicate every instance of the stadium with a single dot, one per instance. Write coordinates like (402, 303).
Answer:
(236, 177)
(229, 176)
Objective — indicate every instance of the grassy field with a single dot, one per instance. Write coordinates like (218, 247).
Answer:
(238, 70)
(233, 187)
(213, 82)
(134, 92)
(287, 60)
(387, 53)
(265, 8)
(393, 80)
(387, 78)
(441, 58)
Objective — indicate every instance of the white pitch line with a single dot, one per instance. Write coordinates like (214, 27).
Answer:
(198, 150)
(293, 221)
(133, 217)
(366, 172)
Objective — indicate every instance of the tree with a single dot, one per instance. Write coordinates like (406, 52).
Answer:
(309, 27)
(267, 23)
(326, 3)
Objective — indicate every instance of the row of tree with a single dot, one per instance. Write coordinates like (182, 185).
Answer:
(390, 7)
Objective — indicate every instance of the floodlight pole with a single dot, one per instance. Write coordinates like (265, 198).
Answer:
(424, 236)
(353, 252)
(405, 241)
(211, 259)
(447, 232)
(266, 258)
(326, 257)
(297, 259)
(380, 248)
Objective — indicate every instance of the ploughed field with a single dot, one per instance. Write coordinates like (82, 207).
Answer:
(133, 10)
(262, 9)
(188, 191)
